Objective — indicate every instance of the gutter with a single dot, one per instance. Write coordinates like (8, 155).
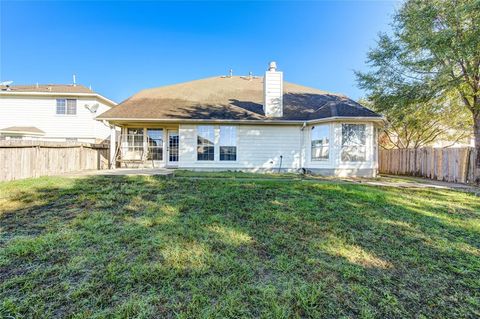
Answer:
(267, 121)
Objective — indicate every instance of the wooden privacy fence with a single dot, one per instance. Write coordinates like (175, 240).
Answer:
(446, 164)
(24, 159)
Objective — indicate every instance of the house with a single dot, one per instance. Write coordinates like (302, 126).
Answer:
(52, 112)
(246, 123)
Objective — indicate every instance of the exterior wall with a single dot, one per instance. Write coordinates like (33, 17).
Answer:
(132, 159)
(258, 148)
(334, 163)
(41, 113)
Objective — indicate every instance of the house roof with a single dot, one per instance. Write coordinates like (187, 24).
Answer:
(53, 90)
(232, 98)
(49, 88)
(24, 130)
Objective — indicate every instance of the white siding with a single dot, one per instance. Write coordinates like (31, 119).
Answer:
(258, 148)
(334, 160)
(41, 113)
(273, 88)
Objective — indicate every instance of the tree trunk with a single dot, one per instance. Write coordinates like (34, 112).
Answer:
(476, 134)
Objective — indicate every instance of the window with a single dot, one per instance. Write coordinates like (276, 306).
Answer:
(205, 143)
(61, 106)
(155, 144)
(134, 149)
(353, 143)
(228, 143)
(320, 142)
(66, 106)
(71, 107)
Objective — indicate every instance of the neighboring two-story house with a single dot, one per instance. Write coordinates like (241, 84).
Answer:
(53, 113)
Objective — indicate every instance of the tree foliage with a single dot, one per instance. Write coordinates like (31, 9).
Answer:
(422, 124)
(432, 52)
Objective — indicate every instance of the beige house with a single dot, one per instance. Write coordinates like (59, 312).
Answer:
(245, 123)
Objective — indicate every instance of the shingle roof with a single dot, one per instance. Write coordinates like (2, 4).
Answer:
(22, 130)
(232, 98)
(49, 88)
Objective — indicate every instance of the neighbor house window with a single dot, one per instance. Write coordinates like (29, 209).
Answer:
(354, 142)
(205, 143)
(155, 144)
(228, 143)
(320, 142)
(66, 106)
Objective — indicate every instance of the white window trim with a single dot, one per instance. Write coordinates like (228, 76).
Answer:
(367, 148)
(66, 108)
(145, 143)
(236, 144)
(330, 144)
(332, 151)
(216, 146)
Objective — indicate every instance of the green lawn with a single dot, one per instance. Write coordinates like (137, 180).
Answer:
(192, 247)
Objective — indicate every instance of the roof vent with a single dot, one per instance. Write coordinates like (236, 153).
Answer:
(74, 80)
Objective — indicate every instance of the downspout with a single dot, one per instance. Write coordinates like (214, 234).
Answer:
(303, 150)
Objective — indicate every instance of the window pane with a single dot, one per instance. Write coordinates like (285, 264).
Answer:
(205, 143)
(60, 106)
(155, 144)
(134, 144)
(228, 136)
(71, 107)
(353, 142)
(228, 143)
(228, 153)
(320, 142)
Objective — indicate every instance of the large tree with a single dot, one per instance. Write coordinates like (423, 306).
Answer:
(433, 49)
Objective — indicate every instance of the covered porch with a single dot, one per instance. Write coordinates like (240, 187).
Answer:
(144, 145)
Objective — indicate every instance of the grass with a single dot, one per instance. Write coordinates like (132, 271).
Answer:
(147, 247)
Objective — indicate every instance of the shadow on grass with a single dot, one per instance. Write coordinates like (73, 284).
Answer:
(149, 247)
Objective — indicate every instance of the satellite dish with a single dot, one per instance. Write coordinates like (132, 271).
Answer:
(92, 108)
(6, 83)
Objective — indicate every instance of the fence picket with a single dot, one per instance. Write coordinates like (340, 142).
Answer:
(448, 164)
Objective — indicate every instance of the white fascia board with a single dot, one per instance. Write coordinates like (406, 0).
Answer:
(62, 94)
(259, 122)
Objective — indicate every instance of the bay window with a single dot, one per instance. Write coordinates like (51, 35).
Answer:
(228, 143)
(354, 142)
(320, 142)
(205, 143)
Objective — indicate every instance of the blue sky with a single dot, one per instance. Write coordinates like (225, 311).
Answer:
(120, 48)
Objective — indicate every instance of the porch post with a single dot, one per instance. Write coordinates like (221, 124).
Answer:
(113, 133)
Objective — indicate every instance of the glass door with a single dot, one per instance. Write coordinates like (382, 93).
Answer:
(173, 141)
